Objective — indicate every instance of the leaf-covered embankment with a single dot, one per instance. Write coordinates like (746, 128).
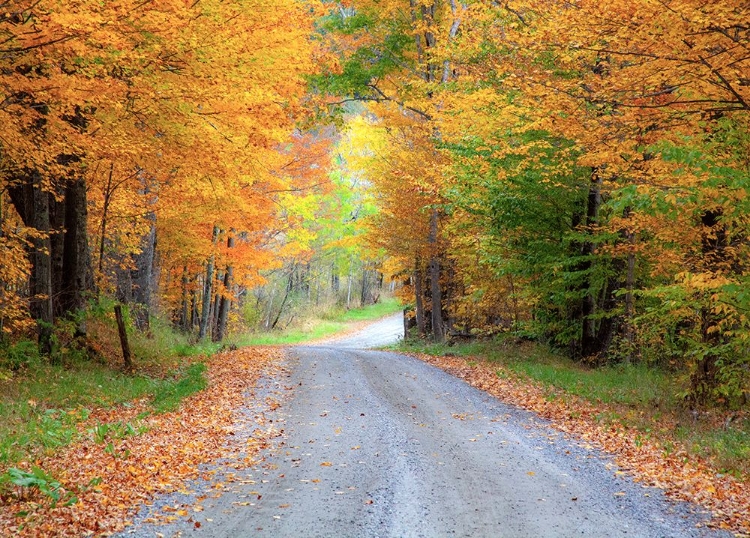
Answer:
(111, 474)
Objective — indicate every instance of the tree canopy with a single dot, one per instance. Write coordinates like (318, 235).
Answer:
(576, 172)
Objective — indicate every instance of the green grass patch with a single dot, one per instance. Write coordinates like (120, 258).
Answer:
(170, 394)
(42, 405)
(386, 306)
(330, 323)
(727, 446)
(623, 384)
(636, 395)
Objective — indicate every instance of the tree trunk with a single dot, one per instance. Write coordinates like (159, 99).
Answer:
(142, 276)
(194, 315)
(105, 214)
(184, 303)
(218, 283)
(57, 234)
(705, 377)
(588, 307)
(438, 329)
(419, 297)
(365, 287)
(629, 328)
(41, 277)
(283, 302)
(349, 287)
(77, 276)
(60, 258)
(126, 356)
(226, 300)
(334, 281)
(207, 289)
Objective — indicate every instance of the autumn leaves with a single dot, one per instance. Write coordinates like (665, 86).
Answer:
(171, 119)
(576, 170)
(586, 164)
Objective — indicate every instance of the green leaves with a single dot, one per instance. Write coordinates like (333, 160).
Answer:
(38, 480)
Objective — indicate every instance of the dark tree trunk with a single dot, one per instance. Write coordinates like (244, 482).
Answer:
(77, 277)
(126, 356)
(335, 281)
(207, 289)
(419, 297)
(194, 315)
(629, 324)
(410, 322)
(589, 344)
(185, 303)
(704, 378)
(364, 292)
(105, 215)
(61, 263)
(609, 324)
(226, 301)
(41, 276)
(141, 278)
(218, 283)
(57, 237)
(438, 329)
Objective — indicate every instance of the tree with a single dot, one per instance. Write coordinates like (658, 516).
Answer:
(149, 110)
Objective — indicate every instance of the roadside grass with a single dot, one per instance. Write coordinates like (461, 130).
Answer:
(43, 405)
(326, 324)
(643, 398)
(172, 392)
(384, 307)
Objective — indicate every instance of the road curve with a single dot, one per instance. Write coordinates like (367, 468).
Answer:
(382, 332)
(379, 444)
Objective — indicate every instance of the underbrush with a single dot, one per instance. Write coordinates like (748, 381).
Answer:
(645, 399)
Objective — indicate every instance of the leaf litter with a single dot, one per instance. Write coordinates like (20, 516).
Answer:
(682, 476)
(111, 480)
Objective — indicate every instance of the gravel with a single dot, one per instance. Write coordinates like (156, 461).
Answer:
(378, 444)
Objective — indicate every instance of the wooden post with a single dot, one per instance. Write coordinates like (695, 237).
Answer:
(128, 361)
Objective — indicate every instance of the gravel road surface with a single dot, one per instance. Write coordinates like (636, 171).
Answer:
(377, 444)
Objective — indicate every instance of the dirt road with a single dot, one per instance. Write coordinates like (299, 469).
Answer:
(377, 444)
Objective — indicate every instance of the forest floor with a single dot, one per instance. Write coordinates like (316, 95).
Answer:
(112, 470)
